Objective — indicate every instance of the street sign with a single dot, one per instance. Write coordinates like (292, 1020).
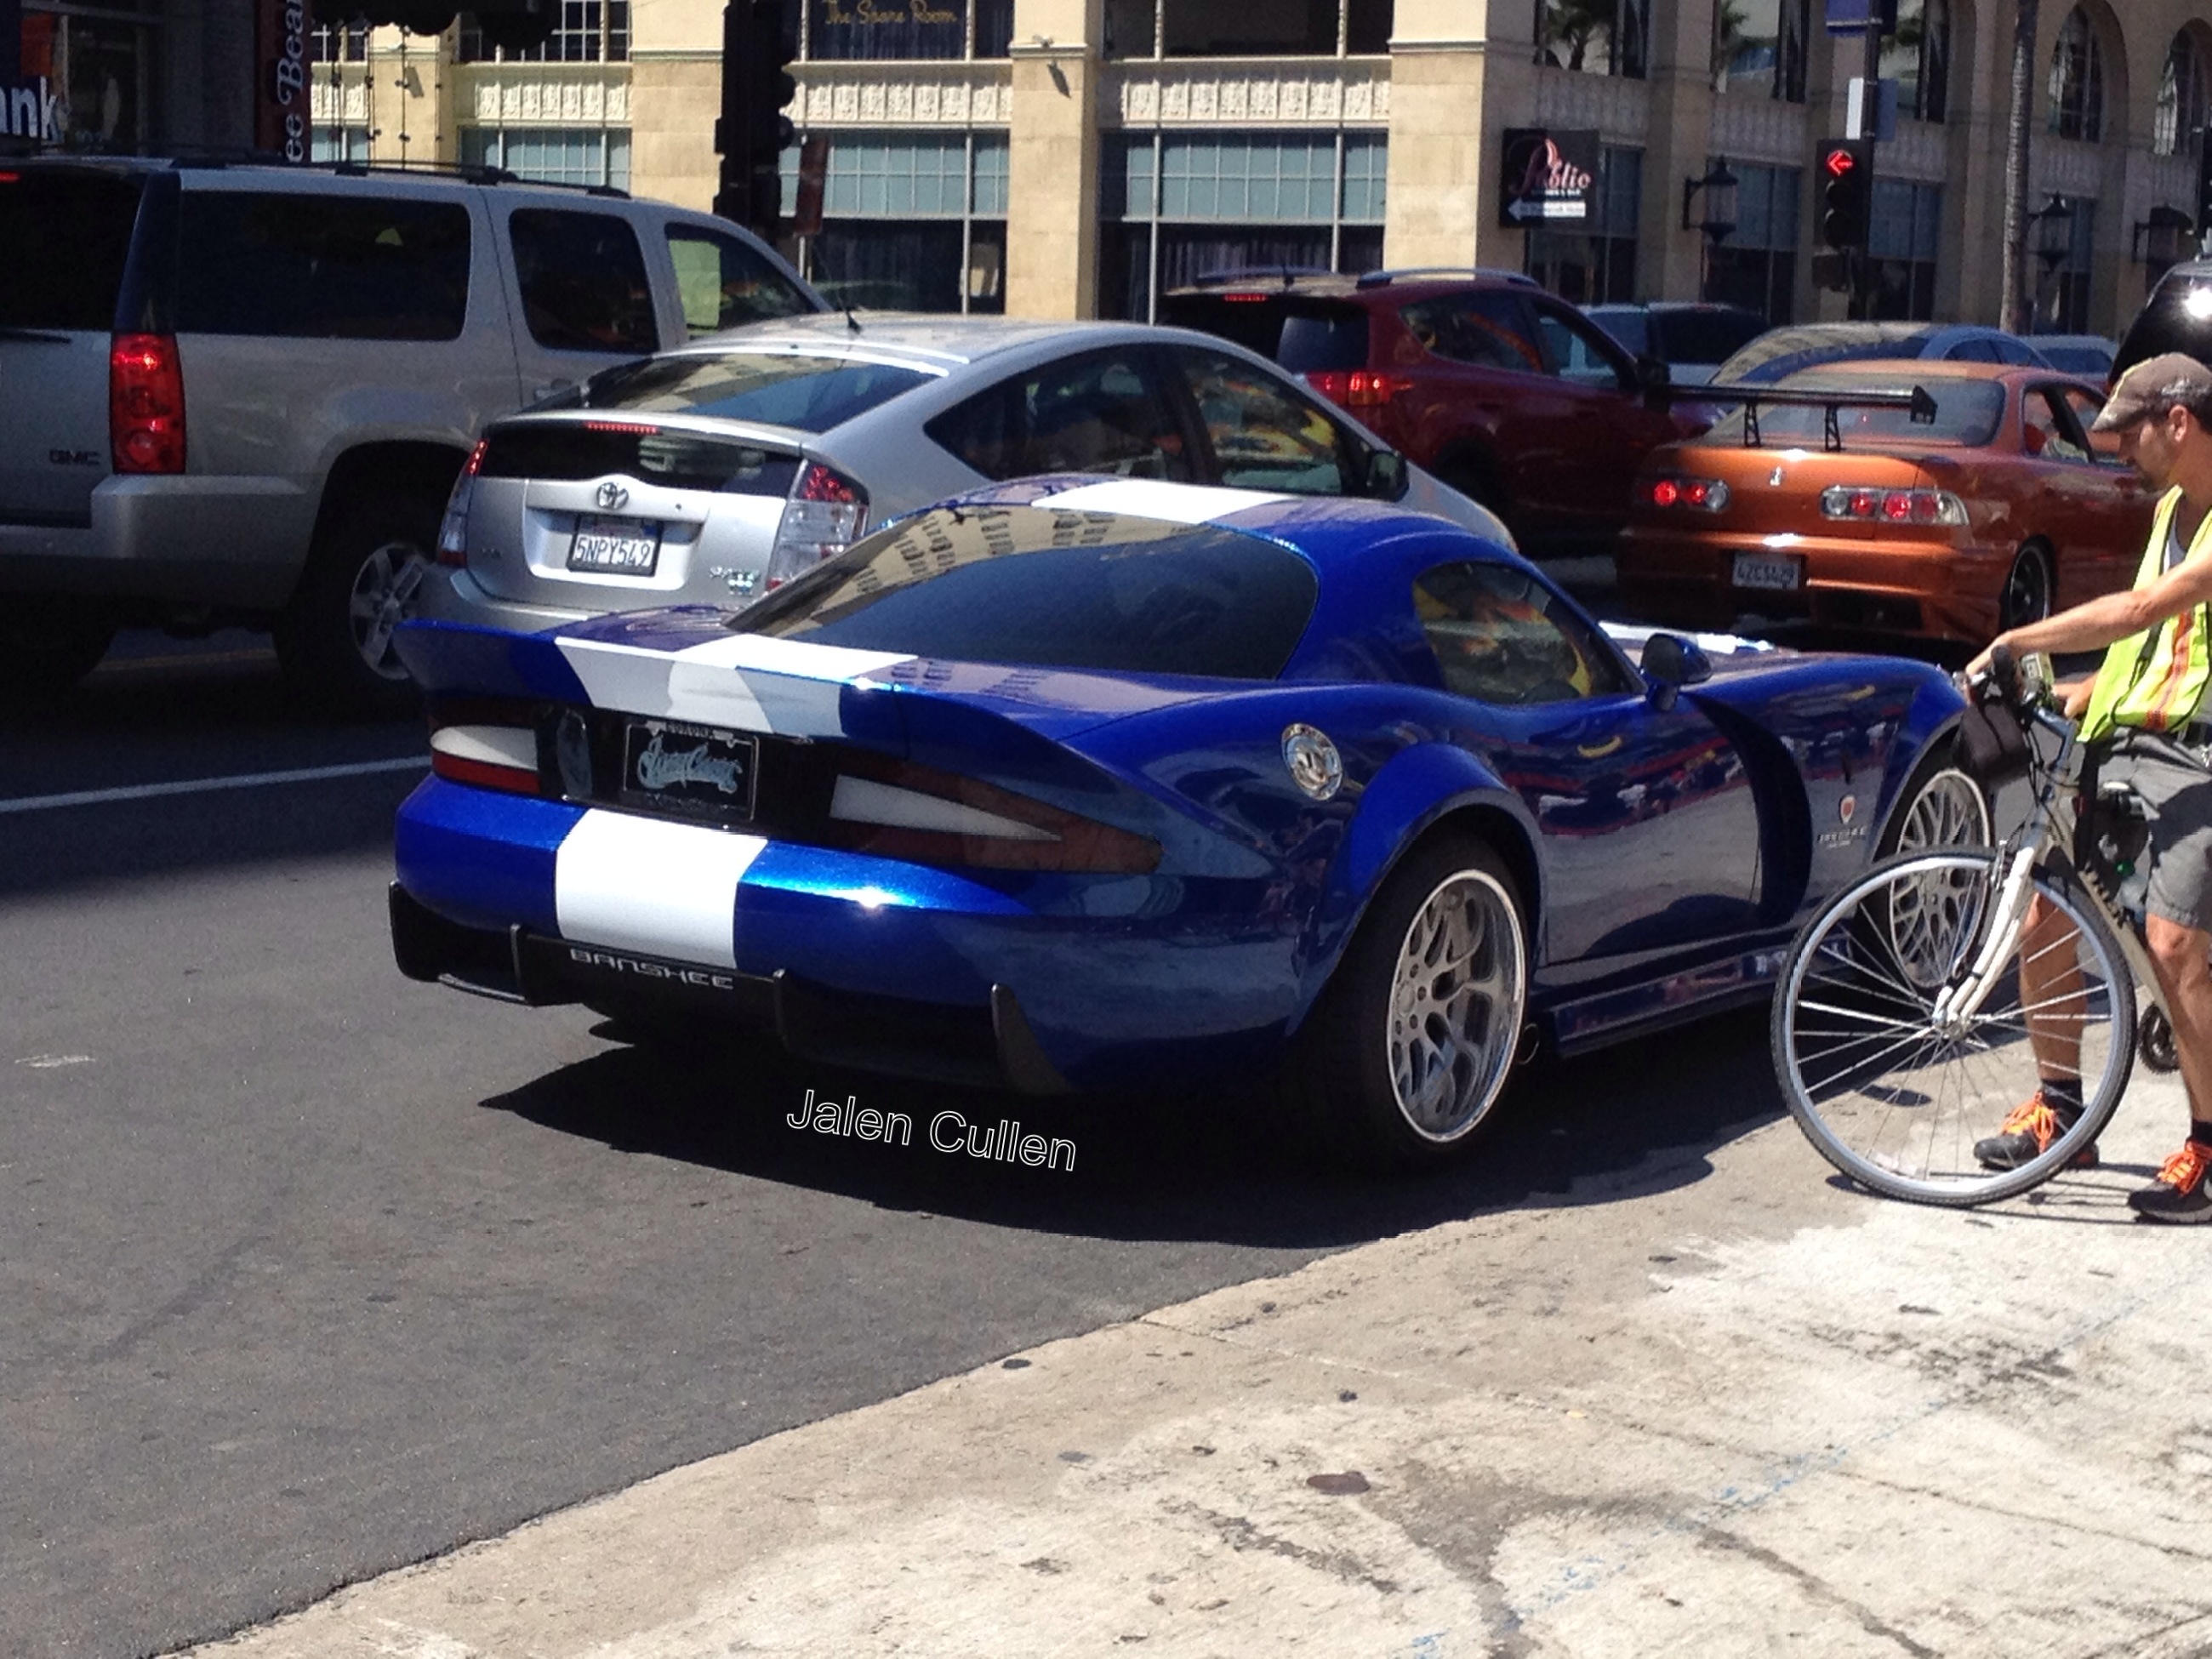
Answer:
(1884, 124)
(1549, 178)
(1853, 16)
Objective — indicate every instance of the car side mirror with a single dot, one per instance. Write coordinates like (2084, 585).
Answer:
(1671, 662)
(1386, 474)
(1652, 373)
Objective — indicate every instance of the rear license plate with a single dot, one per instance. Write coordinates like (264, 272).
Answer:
(621, 547)
(688, 769)
(1782, 574)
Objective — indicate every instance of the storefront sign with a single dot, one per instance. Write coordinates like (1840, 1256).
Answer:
(281, 116)
(27, 103)
(1549, 178)
(887, 28)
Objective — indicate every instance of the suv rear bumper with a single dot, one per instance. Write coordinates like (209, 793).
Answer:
(193, 539)
(455, 596)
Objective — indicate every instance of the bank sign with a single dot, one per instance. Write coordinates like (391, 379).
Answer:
(26, 107)
(888, 28)
(1550, 179)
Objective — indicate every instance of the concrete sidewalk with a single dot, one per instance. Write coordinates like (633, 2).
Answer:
(1704, 1408)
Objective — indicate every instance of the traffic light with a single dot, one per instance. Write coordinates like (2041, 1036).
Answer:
(754, 132)
(1844, 183)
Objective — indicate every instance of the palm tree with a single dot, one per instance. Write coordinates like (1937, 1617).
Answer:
(2018, 295)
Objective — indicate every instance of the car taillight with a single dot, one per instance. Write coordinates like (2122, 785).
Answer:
(1358, 388)
(145, 404)
(916, 812)
(493, 745)
(826, 514)
(1672, 490)
(454, 528)
(1877, 504)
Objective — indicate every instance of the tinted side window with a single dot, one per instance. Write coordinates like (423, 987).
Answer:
(1502, 636)
(1631, 328)
(2009, 350)
(583, 282)
(1099, 413)
(321, 267)
(1972, 351)
(1263, 437)
(2086, 406)
(1488, 330)
(722, 283)
(1575, 352)
(67, 234)
(2044, 429)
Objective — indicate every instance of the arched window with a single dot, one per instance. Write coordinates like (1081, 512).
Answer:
(2180, 113)
(2077, 81)
(1918, 59)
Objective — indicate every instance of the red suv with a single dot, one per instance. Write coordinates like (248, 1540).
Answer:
(1503, 391)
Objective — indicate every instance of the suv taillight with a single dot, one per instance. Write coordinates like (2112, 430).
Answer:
(826, 514)
(454, 528)
(1358, 388)
(145, 404)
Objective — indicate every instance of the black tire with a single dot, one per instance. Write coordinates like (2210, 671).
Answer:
(2030, 588)
(1341, 1073)
(1820, 1016)
(48, 645)
(367, 566)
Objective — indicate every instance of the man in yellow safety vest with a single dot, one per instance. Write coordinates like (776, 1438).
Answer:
(2148, 707)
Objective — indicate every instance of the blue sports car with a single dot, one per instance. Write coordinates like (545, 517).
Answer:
(1073, 784)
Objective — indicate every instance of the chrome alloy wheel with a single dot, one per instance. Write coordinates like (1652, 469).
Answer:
(1934, 918)
(1950, 811)
(1456, 1004)
(384, 596)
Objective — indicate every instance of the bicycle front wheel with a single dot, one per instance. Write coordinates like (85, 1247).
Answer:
(1906, 1097)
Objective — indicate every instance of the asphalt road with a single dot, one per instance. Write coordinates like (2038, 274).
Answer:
(307, 1271)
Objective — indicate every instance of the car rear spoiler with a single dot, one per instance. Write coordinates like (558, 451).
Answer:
(1920, 405)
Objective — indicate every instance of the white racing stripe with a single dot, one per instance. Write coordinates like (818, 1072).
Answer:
(666, 889)
(201, 786)
(748, 681)
(1149, 498)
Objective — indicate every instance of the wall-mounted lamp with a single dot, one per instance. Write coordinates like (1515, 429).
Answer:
(2163, 238)
(2054, 232)
(1717, 212)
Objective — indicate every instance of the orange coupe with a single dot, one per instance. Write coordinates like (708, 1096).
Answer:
(1941, 499)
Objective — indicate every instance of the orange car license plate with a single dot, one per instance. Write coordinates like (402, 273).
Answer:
(1756, 570)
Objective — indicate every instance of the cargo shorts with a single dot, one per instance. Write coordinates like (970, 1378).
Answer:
(2178, 787)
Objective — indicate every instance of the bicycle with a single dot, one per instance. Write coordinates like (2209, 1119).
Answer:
(1910, 1007)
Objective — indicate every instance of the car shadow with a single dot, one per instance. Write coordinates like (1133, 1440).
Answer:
(1210, 1161)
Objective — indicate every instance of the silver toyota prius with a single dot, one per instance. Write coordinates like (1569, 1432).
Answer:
(719, 470)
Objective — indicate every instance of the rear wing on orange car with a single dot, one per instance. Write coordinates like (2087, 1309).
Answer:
(1919, 404)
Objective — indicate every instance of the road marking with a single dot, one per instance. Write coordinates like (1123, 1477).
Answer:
(48, 1062)
(196, 786)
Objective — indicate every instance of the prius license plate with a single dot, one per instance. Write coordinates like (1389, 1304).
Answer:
(1783, 575)
(688, 769)
(621, 547)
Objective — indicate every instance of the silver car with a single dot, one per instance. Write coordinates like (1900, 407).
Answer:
(720, 469)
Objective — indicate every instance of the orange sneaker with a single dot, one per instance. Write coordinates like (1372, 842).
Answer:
(2179, 1194)
(2027, 1134)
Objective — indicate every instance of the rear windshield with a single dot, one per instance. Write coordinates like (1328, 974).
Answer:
(66, 232)
(1306, 336)
(777, 388)
(1024, 586)
(1704, 337)
(1966, 415)
(572, 450)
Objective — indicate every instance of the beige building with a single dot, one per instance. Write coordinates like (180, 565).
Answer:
(1067, 158)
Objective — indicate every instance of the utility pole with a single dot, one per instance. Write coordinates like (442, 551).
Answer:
(1862, 256)
(2013, 312)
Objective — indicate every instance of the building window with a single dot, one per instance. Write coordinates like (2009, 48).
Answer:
(339, 144)
(1757, 266)
(100, 69)
(1902, 226)
(589, 32)
(553, 156)
(2178, 117)
(2062, 302)
(1918, 59)
(341, 45)
(1596, 264)
(909, 222)
(1604, 36)
(1179, 207)
(1238, 28)
(1760, 45)
(2077, 81)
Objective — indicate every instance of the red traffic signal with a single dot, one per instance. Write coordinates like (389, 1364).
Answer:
(1846, 187)
(1838, 162)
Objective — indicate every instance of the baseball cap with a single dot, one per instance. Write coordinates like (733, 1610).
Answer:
(2153, 386)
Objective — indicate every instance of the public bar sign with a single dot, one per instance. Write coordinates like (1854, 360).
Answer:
(1549, 178)
(888, 28)
(281, 119)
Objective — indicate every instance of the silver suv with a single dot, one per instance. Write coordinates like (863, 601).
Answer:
(243, 393)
